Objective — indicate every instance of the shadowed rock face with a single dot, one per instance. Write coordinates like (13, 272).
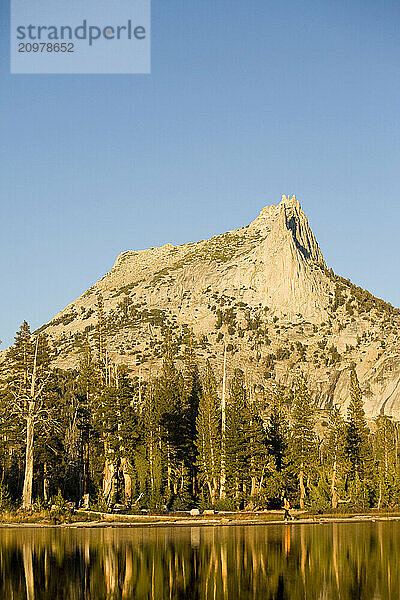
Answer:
(263, 288)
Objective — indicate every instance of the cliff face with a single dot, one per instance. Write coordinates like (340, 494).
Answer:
(284, 269)
(264, 289)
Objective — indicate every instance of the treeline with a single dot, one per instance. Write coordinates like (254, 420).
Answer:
(184, 438)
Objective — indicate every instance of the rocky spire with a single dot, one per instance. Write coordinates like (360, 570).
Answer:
(288, 219)
(296, 221)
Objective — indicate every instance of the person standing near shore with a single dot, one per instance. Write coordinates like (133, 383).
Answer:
(286, 508)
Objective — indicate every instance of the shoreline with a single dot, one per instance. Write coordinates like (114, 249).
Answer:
(151, 521)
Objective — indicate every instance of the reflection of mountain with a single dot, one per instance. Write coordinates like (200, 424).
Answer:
(293, 562)
(266, 290)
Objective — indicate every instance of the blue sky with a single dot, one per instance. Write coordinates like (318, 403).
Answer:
(247, 100)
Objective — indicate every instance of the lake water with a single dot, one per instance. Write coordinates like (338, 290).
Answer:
(274, 562)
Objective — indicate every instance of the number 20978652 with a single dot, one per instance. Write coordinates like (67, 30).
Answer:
(45, 47)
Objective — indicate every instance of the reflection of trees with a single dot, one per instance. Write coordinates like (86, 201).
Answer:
(27, 555)
(307, 562)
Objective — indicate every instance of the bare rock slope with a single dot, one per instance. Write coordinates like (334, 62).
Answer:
(264, 290)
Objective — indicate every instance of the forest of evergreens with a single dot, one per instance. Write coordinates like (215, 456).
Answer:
(188, 437)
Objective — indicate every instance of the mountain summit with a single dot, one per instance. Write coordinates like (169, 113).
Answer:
(263, 289)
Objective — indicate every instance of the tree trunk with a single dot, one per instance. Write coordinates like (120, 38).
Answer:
(302, 486)
(127, 591)
(28, 478)
(254, 486)
(151, 463)
(205, 466)
(86, 463)
(127, 481)
(335, 496)
(45, 484)
(213, 476)
(30, 433)
(169, 468)
(108, 480)
(380, 496)
(27, 552)
(222, 490)
(253, 489)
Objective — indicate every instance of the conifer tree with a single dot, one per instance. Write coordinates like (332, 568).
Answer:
(107, 413)
(148, 456)
(170, 389)
(88, 374)
(223, 469)
(358, 447)
(29, 376)
(277, 476)
(277, 428)
(20, 357)
(101, 341)
(257, 449)
(73, 420)
(128, 431)
(190, 409)
(96, 395)
(302, 438)
(334, 456)
(118, 430)
(208, 437)
(109, 429)
(386, 461)
(88, 383)
(237, 438)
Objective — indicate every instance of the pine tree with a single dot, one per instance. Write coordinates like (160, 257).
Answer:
(223, 469)
(302, 439)
(88, 374)
(118, 430)
(208, 437)
(148, 455)
(66, 441)
(257, 450)
(190, 409)
(237, 438)
(334, 453)
(109, 430)
(20, 357)
(358, 446)
(99, 410)
(170, 389)
(28, 383)
(277, 428)
(101, 340)
(128, 432)
(386, 460)
(88, 384)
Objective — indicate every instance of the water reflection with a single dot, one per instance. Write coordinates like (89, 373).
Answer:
(282, 562)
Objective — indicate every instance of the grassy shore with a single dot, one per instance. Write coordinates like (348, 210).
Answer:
(81, 518)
